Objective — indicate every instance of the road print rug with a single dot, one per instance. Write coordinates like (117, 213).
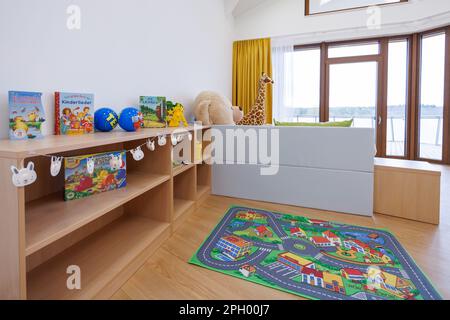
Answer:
(312, 258)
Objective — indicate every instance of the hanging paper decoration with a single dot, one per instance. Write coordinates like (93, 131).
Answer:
(162, 141)
(55, 166)
(25, 176)
(90, 166)
(190, 136)
(115, 162)
(174, 140)
(151, 145)
(138, 154)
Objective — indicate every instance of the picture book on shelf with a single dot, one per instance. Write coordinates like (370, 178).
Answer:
(92, 174)
(26, 115)
(74, 113)
(154, 111)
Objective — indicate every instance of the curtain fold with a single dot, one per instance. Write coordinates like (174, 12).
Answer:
(250, 59)
(283, 75)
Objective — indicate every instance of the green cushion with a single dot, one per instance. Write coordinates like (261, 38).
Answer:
(342, 124)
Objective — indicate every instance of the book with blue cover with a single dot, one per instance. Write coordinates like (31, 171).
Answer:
(26, 115)
(74, 113)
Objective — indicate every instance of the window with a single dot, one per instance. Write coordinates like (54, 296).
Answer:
(353, 93)
(353, 50)
(395, 85)
(306, 93)
(431, 109)
(397, 98)
(316, 6)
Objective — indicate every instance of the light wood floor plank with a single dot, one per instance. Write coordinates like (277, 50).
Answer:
(167, 275)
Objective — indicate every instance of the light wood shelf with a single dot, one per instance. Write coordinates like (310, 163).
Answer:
(182, 168)
(13, 149)
(108, 235)
(202, 191)
(182, 206)
(99, 257)
(50, 218)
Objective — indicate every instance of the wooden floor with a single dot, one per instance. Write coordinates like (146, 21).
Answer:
(167, 275)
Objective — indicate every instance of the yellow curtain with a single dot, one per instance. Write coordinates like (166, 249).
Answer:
(250, 59)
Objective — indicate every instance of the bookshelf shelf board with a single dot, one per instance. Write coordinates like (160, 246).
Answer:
(202, 190)
(59, 144)
(181, 206)
(182, 168)
(119, 247)
(50, 218)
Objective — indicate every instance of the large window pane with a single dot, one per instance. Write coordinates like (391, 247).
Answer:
(306, 86)
(397, 98)
(353, 93)
(432, 97)
(353, 50)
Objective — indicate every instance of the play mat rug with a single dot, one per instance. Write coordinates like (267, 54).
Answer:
(312, 258)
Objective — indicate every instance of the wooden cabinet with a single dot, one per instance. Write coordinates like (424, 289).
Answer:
(408, 189)
(109, 235)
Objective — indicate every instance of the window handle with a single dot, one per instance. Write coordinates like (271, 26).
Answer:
(380, 119)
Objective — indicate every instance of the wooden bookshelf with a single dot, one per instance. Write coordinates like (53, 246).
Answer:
(182, 168)
(49, 219)
(204, 170)
(109, 235)
(184, 195)
(99, 256)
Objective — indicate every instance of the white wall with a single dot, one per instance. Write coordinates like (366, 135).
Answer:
(125, 48)
(285, 19)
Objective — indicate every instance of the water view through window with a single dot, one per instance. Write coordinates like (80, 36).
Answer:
(353, 93)
(432, 97)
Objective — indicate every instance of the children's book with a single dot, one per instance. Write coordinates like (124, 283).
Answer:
(108, 172)
(154, 111)
(26, 115)
(74, 113)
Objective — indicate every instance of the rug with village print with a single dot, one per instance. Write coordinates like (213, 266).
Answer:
(312, 258)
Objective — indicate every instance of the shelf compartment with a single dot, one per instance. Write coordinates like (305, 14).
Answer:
(182, 168)
(51, 218)
(106, 259)
(181, 206)
(202, 191)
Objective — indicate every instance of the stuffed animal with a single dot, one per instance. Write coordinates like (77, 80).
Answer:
(257, 114)
(175, 115)
(238, 114)
(212, 108)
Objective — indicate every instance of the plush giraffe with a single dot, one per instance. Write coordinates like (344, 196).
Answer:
(257, 114)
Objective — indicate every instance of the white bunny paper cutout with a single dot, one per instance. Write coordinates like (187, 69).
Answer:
(151, 145)
(138, 154)
(115, 162)
(174, 140)
(25, 176)
(55, 167)
(90, 166)
(162, 141)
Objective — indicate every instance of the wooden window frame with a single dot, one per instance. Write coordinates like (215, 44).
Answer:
(413, 88)
(308, 13)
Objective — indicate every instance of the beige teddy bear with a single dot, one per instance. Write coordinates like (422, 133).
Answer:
(213, 108)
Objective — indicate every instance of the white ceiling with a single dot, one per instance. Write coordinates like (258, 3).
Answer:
(242, 6)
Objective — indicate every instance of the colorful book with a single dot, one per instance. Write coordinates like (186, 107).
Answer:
(154, 111)
(74, 113)
(26, 115)
(106, 175)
